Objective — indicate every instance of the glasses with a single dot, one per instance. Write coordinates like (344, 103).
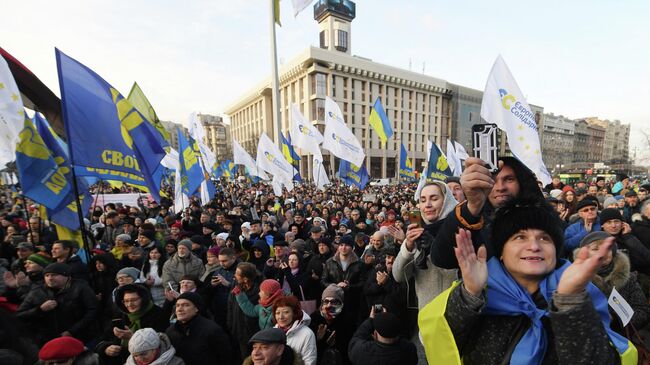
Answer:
(130, 301)
(589, 209)
(332, 301)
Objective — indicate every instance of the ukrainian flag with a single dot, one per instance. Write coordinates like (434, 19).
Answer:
(290, 154)
(405, 164)
(379, 121)
(191, 172)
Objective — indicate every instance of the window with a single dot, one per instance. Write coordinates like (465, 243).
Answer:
(318, 109)
(342, 40)
(323, 39)
(319, 84)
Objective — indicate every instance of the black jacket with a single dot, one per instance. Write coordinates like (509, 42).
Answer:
(76, 311)
(200, 341)
(641, 229)
(365, 350)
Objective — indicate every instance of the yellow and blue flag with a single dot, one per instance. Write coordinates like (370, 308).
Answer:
(139, 100)
(437, 166)
(405, 164)
(379, 122)
(42, 178)
(66, 213)
(191, 172)
(104, 130)
(290, 154)
(353, 175)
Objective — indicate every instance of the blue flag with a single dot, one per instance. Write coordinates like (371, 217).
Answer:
(104, 130)
(42, 178)
(405, 164)
(191, 172)
(66, 214)
(353, 175)
(437, 168)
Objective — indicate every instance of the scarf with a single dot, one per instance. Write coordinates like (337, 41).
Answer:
(134, 318)
(269, 301)
(506, 297)
(334, 311)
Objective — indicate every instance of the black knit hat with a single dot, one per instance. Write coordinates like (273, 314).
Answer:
(195, 298)
(519, 214)
(610, 214)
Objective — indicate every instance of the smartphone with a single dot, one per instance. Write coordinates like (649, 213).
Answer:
(118, 322)
(485, 144)
(378, 308)
(416, 217)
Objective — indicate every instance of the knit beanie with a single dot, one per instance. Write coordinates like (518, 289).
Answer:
(39, 259)
(333, 291)
(126, 238)
(57, 268)
(214, 250)
(187, 243)
(151, 235)
(387, 324)
(193, 297)
(144, 339)
(609, 201)
(518, 214)
(298, 245)
(270, 286)
(610, 214)
(130, 271)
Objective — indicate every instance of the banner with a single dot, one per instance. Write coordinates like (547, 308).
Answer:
(104, 130)
(12, 117)
(338, 139)
(353, 174)
(190, 169)
(405, 164)
(319, 173)
(504, 104)
(241, 157)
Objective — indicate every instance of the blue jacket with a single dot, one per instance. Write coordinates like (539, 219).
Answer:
(574, 233)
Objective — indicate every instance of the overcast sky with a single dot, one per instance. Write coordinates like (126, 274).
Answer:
(576, 58)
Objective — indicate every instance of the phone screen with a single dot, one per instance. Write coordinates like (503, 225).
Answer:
(415, 217)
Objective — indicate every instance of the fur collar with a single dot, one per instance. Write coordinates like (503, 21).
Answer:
(619, 276)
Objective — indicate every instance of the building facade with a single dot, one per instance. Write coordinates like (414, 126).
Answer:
(616, 144)
(557, 134)
(580, 138)
(172, 128)
(418, 106)
(466, 111)
(217, 137)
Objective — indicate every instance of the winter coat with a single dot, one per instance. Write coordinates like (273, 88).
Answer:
(176, 267)
(641, 230)
(574, 233)
(364, 349)
(575, 335)
(303, 340)
(442, 249)
(626, 284)
(153, 318)
(261, 245)
(167, 354)
(218, 295)
(200, 341)
(78, 269)
(76, 311)
(241, 326)
(334, 274)
(263, 314)
(392, 294)
(157, 290)
(344, 325)
(638, 253)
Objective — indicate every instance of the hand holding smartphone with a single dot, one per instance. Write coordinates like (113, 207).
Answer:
(415, 216)
(485, 144)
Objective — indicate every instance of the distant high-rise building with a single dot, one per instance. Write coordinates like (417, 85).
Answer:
(616, 145)
(172, 128)
(557, 138)
(217, 136)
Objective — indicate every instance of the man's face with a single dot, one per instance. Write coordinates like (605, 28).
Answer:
(298, 218)
(632, 201)
(34, 224)
(204, 218)
(226, 261)
(55, 281)
(185, 310)
(58, 251)
(316, 235)
(556, 181)
(593, 190)
(588, 213)
(389, 262)
(456, 190)
(255, 228)
(183, 251)
(132, 302)
(294, 230)
(377, 241)
(266, 354)
(355, 215)
(24, 253)
(280, 251)
(323, 248)
(174, 231)
(642, 194)
(345, 249)
(187, 286)
(506, 187)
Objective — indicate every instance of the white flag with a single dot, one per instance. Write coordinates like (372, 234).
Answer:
(460, 151)
(12, 116)
(278, 182)
(197, 132)
(504, 104)
(241, 157)
(303, 134)
(620, 306)
(299, 5)
(337, 138)
(452, 159)
(319, 173)
(271, 160)
(171, 161)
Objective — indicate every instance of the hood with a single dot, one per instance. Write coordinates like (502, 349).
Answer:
(304, 322)
(142, 290)
(262, 246)
(449, 202)
(528, 188)
(167, 352)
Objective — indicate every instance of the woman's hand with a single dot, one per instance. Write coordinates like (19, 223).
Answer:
(412, 233)
(472, 264)
(576, 277)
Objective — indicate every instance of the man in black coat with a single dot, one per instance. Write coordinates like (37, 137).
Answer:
(198, 340)
(63, 252)
(61, 306)
(377, 341)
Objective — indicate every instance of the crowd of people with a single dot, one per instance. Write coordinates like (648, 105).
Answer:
(498, 268)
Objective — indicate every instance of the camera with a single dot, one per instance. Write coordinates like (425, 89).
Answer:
(378, 308)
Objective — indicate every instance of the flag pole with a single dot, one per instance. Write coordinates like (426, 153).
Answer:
(275, 82)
